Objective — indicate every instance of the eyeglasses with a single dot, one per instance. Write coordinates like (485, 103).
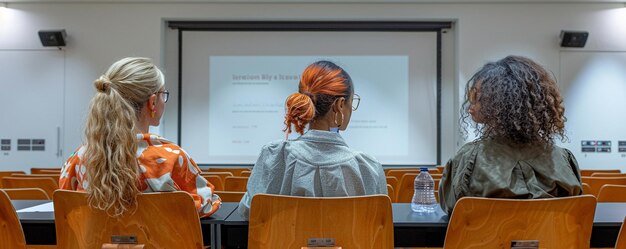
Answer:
(166, 95)
(356, 100)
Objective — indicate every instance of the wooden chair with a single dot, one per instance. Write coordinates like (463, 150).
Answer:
(11, 234)
(597, 182)
(494, 223)
(278, 221)
(39, 170)
(222, 175)
(621, 238)
(246, 173)
(9, 173)
(398, 173)
(45, 183)
(391, 193)
(405, 189)
(234, 171)
(608, 174)
(390, 169)
(392, 180)
(436, 176)
(54, 177)
(441, 168)
(589, 172)
(586, 189)
(230, 196)
(48, 171)
(26, 194)
(612, 193)
(236, 183)
(217, 181)
(160, 220)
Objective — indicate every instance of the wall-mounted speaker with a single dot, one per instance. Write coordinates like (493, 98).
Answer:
(573, 39)
(52, 38)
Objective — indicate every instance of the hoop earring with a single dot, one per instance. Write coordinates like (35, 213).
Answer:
(338, 124)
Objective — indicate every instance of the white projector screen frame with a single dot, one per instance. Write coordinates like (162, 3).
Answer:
(221, 32)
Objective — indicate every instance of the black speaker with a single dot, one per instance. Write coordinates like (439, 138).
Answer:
(52, 38)
(573, 39)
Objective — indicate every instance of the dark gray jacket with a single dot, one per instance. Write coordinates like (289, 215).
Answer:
(486, 168)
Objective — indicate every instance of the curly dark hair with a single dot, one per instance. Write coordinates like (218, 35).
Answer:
(519, 103)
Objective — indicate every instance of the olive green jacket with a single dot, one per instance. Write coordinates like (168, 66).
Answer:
(486, 168)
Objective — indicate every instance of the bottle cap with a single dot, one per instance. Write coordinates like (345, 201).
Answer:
(424, 169)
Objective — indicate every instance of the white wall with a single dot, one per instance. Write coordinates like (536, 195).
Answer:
(100, 33)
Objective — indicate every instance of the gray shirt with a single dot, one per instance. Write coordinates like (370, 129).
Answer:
(316, 164)
(486, 168)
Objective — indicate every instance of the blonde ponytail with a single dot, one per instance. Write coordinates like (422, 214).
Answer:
(112, 168)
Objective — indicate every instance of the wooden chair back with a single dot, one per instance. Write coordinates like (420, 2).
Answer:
(44, 170)
(289, 221)
(222, 175)
(399, 173)
(246, 173)
(436, 176)
(391, 193)
(494, 223)
(386, 170)
(26, 194)
(441, 168)
(54, 177)
(236, 183)
(608, 174)
(405, 189)
(621, 238)
(230, 196)
(586, 189)
(45, 183)
(234, 171)
(217, 181)
(11, 234)
(612, 193)
(595, 183)
(9, 173)
(589, 172)
(49, 171)
(392, 180)
(160, 220)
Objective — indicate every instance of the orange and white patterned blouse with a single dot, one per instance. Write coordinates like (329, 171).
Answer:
(165, 167)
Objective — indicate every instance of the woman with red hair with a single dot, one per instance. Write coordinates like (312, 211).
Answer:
(319, 163)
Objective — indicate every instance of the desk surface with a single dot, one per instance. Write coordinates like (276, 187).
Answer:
(607, 214)
(48, 217)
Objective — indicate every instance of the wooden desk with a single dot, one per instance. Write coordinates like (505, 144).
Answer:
(39, 226)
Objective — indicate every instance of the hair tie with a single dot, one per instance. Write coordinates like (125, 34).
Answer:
(103, 84)
(309, 94)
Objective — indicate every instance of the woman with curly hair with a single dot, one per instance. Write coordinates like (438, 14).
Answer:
(517, 110)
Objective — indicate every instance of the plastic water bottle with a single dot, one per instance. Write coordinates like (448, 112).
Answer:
(424, 201)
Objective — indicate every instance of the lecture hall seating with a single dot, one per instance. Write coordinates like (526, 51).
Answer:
(45, 183)
(557, 223)
(288, 221)
(11, 235)
(72, 211)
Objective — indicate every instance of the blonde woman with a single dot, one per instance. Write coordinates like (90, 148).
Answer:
(120, 159)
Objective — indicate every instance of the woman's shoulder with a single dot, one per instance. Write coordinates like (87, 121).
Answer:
(152, 143)
(469, 148)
